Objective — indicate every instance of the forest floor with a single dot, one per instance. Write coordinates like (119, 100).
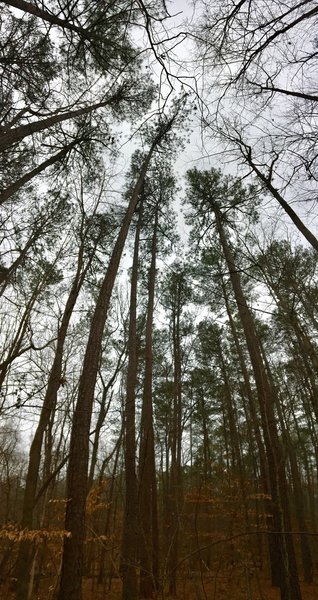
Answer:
(216, 588)
(220, 588)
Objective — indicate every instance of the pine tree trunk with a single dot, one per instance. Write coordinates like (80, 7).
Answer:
(289, 583)
(272, 547)
(175, 478)
(147, 467)
(17, 185)
(308, 235)
(22, 131)
(22, 567)
(130, 526)
(72, 562)
(77, 476)
(34, 10)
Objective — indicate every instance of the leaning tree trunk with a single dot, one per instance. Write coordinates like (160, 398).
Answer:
(19, 183)
(38, 12)
(72, 561)
(17, 134)
(289, 583)
(308, 235)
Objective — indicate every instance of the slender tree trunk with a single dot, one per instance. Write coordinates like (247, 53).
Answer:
(289, 583)
(272, 546)
(110, 501)
(235, 446)
(48, 407)
(103, 411)
(34, 10)
(72, 562)
(130, 526)
(175, 478)
(147, 468)
(308, 235)
(22, 131)
(19, 183)
(297, 486)
(5, 275)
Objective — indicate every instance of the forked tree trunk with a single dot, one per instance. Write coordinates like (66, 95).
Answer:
(111, 509)
(15, 350)
(102, 415)
(6, 274)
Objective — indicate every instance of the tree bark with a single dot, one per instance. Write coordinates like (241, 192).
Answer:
(31, 9)
(48, 407)
(72, 562)
(130, 526)
(22, 131)
(289, 582)
(175, 482)
(147, 468)
(308, 235)
(17, 185)
(272, 547)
